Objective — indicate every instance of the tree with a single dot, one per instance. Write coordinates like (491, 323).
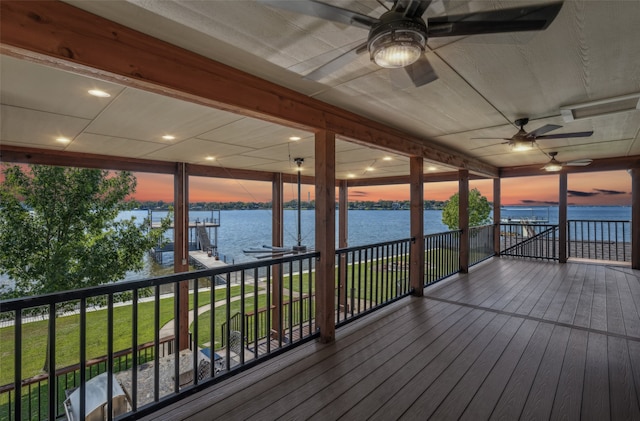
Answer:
(479, 210)
(60, 230)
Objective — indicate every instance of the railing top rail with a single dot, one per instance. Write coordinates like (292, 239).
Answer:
(598, 220)
(368, 246)
(481, 226)
(438, 234)
(519, 224)
(123, 286)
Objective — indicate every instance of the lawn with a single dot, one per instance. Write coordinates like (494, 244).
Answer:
(34, 334)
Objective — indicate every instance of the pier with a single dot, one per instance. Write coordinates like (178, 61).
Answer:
(203, 241)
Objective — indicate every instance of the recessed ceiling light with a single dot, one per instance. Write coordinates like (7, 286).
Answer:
(369, 169)
(351, 175)
(387, 158)
(210, 158)
(432, 168)
(295, 138)
(168, 137)
(99, 93)
(62, 139)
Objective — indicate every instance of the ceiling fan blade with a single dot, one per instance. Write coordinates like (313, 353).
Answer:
(542, 130)
(579, 163)
(417, 74)
(337, 63)
(565, 135)
(412, 8)
(527, 18)
(490, 138)
(324, 11)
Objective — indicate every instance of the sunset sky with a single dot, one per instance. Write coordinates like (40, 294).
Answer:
(604, 188)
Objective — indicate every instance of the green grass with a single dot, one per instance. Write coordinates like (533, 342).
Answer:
(34, 335)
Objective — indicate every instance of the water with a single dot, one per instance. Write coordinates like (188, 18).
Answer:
(243, 229)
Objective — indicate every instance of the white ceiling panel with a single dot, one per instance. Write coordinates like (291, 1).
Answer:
(36, 87)
(21, 125)
(196, 150)
(105, 145)
(147, 116)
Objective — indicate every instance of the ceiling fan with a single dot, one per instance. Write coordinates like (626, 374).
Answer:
(397, 39)
(526, 141)
(555, 165)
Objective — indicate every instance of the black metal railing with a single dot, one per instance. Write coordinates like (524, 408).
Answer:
(536, 241)
(97, 336)
(442, 255)
(480, 243)
(370, 276)
(599, 240)
(35, 389)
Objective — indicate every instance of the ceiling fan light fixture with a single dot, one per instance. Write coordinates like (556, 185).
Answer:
(552, 166)
(392, 55)
(397, 42)
(522, 145)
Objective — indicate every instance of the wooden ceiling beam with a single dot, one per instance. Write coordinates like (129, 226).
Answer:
(21, 155)
(60, 35)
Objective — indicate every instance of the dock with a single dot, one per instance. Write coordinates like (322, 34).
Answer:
(204, 260)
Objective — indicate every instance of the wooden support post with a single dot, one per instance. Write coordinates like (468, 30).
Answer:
(635, 218)
(181, 248)
(277, 240)
(562, 218)
(343, 239)
(325, 156)
(496, 217)
(416, 195)
(463, 218)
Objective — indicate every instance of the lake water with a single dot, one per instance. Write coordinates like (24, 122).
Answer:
(243, 229)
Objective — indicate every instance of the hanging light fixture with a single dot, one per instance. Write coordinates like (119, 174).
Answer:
(553, 165)
(397, 42)
(521, 145)
(299, 247)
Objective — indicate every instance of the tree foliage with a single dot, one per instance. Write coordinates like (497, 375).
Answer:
(60, 230)
(479, 210)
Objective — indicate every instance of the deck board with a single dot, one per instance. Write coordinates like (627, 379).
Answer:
(512, 339)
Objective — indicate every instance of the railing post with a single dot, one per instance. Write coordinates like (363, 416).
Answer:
(325, 156)
(417, 259)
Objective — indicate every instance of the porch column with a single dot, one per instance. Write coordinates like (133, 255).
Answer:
(635, 218)
(181, 248)
(343, 235)
(496, 217)
(277, 240)
(463, 218)
(325, 156)
(417, 259)
(562, 219)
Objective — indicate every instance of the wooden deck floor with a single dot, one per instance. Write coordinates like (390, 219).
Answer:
(514, 339)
